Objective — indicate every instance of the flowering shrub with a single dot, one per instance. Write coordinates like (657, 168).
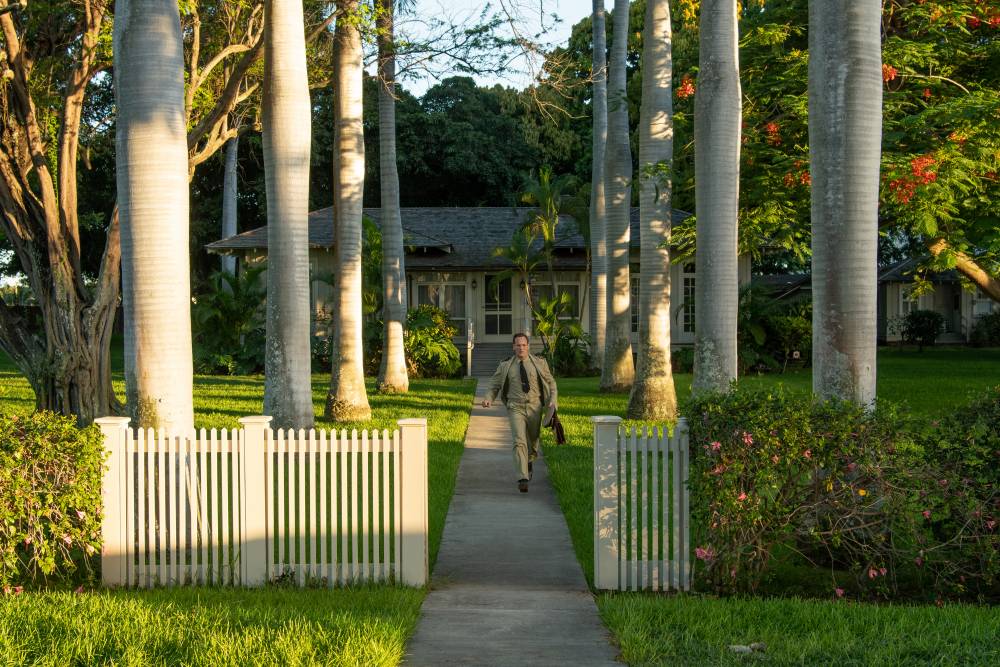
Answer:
(887, 505)
(772, 469)
(957, 512)
(50, 497)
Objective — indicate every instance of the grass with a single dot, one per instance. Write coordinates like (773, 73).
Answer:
(349, 626)
(690, 629)
(209, 626)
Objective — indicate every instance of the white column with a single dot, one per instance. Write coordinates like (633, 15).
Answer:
(114, 521)
(606, 537)
(255, 536)
(413, 494)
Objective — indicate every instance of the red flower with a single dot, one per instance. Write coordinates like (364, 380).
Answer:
(789, 180)
(927, 93)
(686, 89)
(973, 22)
(889, 73)
(805, 178)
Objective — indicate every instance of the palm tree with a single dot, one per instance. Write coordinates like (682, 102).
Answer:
(717, 119)
(286, 116)
(618, 371)
(653, 393)
(229, 192)
(845, 136)
(392, 376)
(598, 238)
(152, 175)
(347, 399)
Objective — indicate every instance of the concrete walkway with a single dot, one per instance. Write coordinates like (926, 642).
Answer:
(507, 588)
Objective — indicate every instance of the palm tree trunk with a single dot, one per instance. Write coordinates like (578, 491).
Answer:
(229, 201)
(152, 162)
(392, 377)
(598, 237)
(618, 371)
(286, 117)
(653, 394)
(845, 136)
(347, 399)
(717, 119)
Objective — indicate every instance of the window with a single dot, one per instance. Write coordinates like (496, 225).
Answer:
(907, 301)
(687, 306)
(981, 304)
(543, 291)
(449, 298)
(498, 307)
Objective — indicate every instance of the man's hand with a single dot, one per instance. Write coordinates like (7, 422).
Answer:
(487, 403)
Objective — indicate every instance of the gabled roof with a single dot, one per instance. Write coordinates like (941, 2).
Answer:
(444, 237)
(902, 271)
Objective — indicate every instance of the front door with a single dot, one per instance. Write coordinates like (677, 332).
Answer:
(499, 323)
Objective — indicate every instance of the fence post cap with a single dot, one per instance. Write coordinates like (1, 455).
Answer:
(256, 419)
(112, 421)
(413, 421)
(606, 419)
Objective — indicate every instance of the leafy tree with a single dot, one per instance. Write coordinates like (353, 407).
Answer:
(228, 323)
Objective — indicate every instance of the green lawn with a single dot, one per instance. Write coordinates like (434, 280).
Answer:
(692, 629)
(370, 625)
(364, 626)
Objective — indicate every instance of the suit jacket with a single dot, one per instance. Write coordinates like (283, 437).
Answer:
(546, 383)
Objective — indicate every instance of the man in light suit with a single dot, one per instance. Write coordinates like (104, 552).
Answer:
(525, 385)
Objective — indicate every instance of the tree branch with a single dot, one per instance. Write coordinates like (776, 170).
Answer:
(968, 267)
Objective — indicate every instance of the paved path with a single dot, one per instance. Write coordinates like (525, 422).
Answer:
(507, 588)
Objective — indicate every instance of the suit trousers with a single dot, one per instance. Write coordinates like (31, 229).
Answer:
(525, 427)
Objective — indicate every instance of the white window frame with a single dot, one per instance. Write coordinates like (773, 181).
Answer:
(458, 322)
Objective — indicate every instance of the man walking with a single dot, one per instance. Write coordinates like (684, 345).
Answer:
(525, 385)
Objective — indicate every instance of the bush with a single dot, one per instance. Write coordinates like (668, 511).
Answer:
(682, 360)
(430, 352)
(572, 357)
(228, 324)
(50, 498)
(773, 471)
(922, 327)
(888, 505)
(772, 333)
(986, 331)
(958, 522)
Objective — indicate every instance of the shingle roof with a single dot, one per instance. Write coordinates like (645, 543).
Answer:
(452, 238)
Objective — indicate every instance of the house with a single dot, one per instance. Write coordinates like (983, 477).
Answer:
(959, 307)
(450, 263)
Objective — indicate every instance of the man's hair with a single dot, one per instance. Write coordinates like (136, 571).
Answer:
(521, 335)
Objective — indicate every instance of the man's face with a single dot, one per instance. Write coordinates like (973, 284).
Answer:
(521, 347)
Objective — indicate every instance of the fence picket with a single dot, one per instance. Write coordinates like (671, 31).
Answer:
(332, 509)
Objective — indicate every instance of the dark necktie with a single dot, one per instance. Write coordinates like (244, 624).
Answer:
(524, 378)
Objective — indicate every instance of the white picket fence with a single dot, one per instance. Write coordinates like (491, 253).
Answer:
(641, 507)
(253, 505)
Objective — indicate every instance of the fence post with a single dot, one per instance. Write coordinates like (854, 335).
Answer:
(255, 502)
(606, 489)
(114, 522)
(685, 514)
(412, 487)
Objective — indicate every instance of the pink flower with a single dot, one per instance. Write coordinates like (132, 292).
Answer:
(839, 592)
(927, 514)
(716, 446)
(79, 590)
(718, 470)
(706, 554)
(67, 539)
(991, 524)
(919, 561)
(81, 515)
(808, 454)
(872, 573)
(882, 571)
(742, 496)
(747, 438)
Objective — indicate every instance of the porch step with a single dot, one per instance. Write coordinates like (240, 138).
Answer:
(487, 356)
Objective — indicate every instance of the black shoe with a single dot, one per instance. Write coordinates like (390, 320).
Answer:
(530, 475)
(522, 485)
